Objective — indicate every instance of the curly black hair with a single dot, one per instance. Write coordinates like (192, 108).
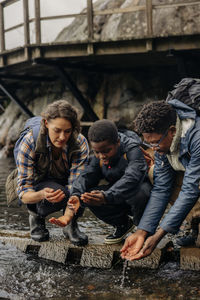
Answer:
(155, 117)
(103, 130)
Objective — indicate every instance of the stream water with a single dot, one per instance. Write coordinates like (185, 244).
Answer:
(23, 276)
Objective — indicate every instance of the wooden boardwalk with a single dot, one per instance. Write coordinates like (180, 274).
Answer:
(36, 60)
(89, 48)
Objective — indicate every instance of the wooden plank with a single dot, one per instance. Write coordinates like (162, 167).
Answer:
(26, 23)
(2, 34)
(149, 18)
(176, 4)
(62, 17)
(90, 20)
(8, 2)
(119, 10)
(37, 22)
(14, 27)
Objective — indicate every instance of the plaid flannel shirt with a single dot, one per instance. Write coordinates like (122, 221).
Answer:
(26, 161)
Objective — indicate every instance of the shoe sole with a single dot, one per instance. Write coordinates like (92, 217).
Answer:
(116, 241)
(44, 239)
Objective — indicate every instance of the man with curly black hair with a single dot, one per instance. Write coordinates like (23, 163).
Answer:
(173, 131)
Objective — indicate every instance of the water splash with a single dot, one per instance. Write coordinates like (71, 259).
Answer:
(125, 276)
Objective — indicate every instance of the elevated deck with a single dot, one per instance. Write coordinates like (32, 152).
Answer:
(93, 51)
(34, 59)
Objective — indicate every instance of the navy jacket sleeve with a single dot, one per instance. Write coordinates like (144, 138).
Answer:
(128, 184)
(89, 178)
(189, 191)
(160, 194)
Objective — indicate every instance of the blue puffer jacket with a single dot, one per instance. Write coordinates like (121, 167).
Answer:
(189, 156)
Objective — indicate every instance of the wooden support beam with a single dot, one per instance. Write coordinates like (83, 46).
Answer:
(26, 23)
(149, 11)
(37, 22)
(8, 2)
(13, 98)
(2, 61)
(2, 35)
(28, 77)
(90, 20)
(77, 94)
(90, 48)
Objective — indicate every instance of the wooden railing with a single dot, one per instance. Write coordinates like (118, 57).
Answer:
(89, 13)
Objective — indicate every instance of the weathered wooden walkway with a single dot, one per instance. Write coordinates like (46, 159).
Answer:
(34, 48)
(96, 254)
(35, 60)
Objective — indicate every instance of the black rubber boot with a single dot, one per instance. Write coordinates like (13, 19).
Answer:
(73, 233)
(38, 230)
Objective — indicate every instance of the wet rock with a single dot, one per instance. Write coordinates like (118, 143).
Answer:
(98, 256)
(190, 258)
(54, 250)
(23, 244)
(61, 250)
(150, 262)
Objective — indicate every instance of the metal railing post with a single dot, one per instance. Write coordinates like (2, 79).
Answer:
(37, 22)
(2, 34)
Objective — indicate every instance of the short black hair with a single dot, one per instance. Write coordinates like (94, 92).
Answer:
(103, 130)
(155, 117)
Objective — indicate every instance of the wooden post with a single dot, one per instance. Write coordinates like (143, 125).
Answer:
(90, 20)
(26, 23)
(149, 18)
(37, 22)
(14, 98)
(2, 34)
(77, 94)
(90, 26)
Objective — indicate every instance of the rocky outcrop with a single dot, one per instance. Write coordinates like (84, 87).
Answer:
(166, 21)
(36, 99)
(118, 97)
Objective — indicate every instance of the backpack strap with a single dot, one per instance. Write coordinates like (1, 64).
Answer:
(34, 124)
(31, 124)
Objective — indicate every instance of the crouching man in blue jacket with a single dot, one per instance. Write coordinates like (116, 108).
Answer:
(173, 130)
(119, 160)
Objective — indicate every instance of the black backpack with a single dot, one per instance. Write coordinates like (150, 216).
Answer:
(188, 92)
